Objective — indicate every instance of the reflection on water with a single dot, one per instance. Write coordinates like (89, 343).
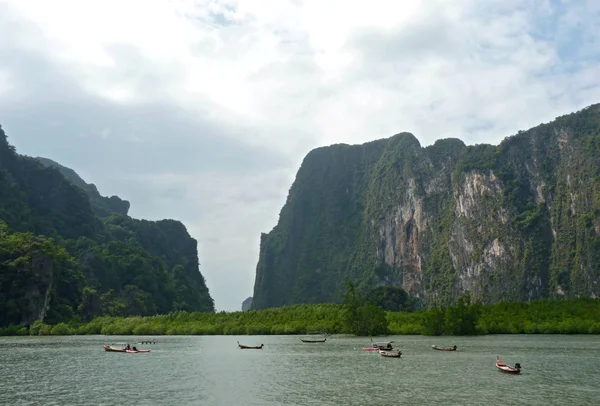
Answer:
(211, 370)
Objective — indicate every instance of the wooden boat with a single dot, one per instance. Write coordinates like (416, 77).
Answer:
(248, 347)
(113, 349)
(379, 345)
(322, 340)
(314, 338)
(110, 348)
(382, 345)
(507, 368)
(389, 354)
(435, 347)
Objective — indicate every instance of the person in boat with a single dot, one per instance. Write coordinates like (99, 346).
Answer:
(134, 349)
(128, 347)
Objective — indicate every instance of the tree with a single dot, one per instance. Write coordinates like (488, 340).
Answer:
(433, 321)
(391, 298)
(361, 317)
(461, 319)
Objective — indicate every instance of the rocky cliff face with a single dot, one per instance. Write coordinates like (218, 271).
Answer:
(517, 221)
(247, 304)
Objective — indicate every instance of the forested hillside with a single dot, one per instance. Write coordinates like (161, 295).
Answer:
(67, 252)
(513, 222)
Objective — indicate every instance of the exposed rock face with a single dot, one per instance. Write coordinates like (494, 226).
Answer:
(518, 221)
(246, 304)
(37, 296)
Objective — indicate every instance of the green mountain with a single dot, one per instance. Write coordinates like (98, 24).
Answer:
(102, 206)
(518, 221)
(67, 252)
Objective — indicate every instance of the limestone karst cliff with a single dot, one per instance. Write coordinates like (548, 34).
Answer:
(517, 221)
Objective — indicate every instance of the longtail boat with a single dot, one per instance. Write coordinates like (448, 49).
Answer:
(382, 345)
(113, 349)
(248, 347)
(110, 348)
(379, 345)
(322, 340)
(390, 354)
(435, 347)
(507, 368)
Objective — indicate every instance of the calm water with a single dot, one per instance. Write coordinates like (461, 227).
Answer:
(210, 370)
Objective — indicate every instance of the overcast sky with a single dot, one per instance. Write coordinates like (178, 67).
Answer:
(202, 111)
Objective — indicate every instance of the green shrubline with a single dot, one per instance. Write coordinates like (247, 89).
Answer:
(572, 316)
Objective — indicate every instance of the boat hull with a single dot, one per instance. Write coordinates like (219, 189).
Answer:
(113, 349)
(507, 369)
(435, 347)
(388, 354)
(248, 347)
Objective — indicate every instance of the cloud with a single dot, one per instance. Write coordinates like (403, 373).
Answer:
(202, 110)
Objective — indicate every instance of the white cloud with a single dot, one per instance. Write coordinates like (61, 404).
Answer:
(279, 78)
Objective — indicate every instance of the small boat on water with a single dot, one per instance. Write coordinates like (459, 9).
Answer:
(435, 347)
(379, 345)
(123, 348)
(110, 348)
(315, 339)
(389, 354)
(507, 368)
(248, 347)
(318, 340)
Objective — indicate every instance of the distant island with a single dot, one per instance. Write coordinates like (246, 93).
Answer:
(246, 304)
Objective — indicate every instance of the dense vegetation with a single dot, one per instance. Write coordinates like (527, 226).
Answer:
(68, 254)
(575, 316)
(519, 221)
(101, 205)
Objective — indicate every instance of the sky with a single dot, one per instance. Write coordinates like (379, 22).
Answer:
(202, 110)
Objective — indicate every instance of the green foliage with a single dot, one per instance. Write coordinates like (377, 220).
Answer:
(361, 317)
(34, 269)
(102, 206)
(459, 319)
(433, 321)
(390, 298)
(462, 318)
(60, 262)
(575, 316)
